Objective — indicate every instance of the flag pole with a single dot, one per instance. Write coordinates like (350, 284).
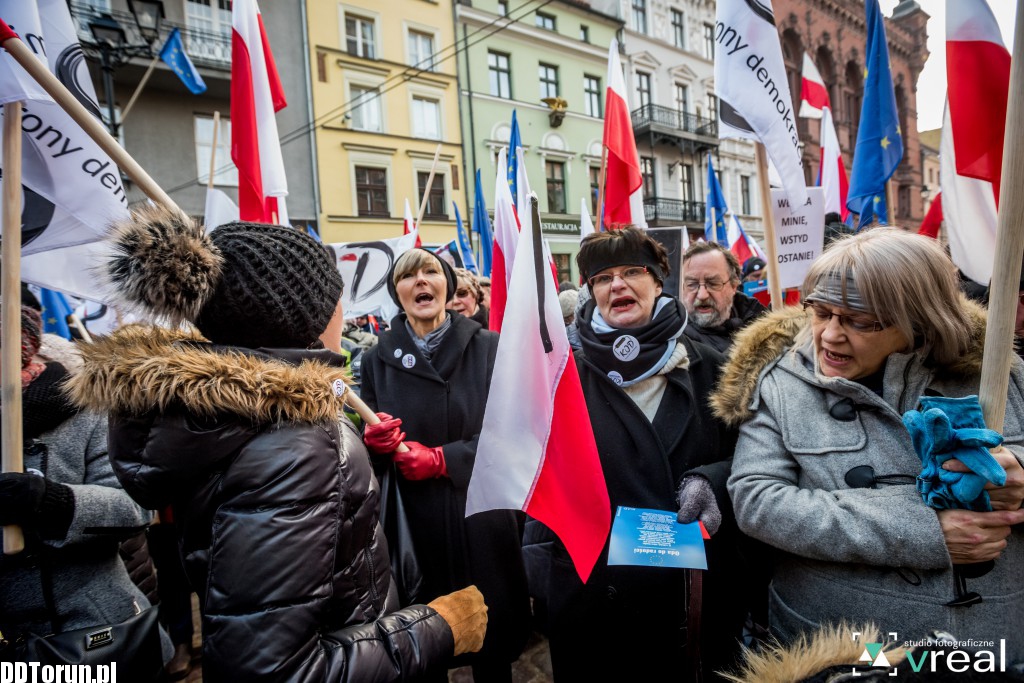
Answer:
(10, 343)
(139, 87)
(769, 228)
(600, 188)
(369, 417)
(213, 150)
(1002, 308)
(426, 190)
(92, 127)
(890, 204)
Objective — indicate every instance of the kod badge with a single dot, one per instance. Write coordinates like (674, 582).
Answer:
(398, 353)
(615, 377)
(626, 348)
(409, 360)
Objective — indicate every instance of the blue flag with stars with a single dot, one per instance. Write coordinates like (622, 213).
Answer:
(879, 139)
(173, 54)
(56, 310)
(465, 248)
(482, 227)
(514, 142)
(716, 201)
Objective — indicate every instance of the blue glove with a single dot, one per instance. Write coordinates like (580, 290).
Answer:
(948, 428)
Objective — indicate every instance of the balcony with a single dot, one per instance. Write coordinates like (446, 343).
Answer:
(689, 132)
(662, 211)
(205, 48)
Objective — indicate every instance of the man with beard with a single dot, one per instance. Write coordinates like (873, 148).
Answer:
(716, 309)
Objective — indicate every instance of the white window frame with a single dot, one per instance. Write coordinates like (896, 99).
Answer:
(219, 21)
(378, 102)
(363, 14)
(416, 60)
(438, 102)
(228, 177)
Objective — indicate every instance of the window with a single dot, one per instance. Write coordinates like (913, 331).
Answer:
(595, 190)
(500, 74)
(584, 33)
(435, 203)
(224, 172)
(647, 171)
(745, 194)
(372, 191)
(678, 32)
(563, 264)
(548, 76)
(502, 8)
(903, 201)
(554, 171)
(426, 118)
(592, 95)
(364, 105)
(709, 41)
(421, 50)
(643, 88)
(210, 16)
(545, 21)
(682, 98)
(359, 38)
(640, 15)
(712, 107)
(686, 182)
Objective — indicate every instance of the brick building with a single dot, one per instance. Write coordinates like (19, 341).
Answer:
(833, 33)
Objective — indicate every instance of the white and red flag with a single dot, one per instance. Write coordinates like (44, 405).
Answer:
(503, 250)
(978, 78)
(835, 184)
(256, 95)
(623, 192)
(409, 225)
(586, 225)
(932, 222)
(536, 451)
(740, 243)
(813, 93)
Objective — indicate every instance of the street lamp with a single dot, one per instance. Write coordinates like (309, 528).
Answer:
(111, 41)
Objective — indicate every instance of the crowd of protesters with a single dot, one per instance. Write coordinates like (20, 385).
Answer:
(834, 453)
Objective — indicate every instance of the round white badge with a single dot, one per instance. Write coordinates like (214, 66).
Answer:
(339, 387)
(409, 360)
(626, 348)
(615, 377)
(398, 353)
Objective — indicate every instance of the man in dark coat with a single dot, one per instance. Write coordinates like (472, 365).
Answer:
(716, 309)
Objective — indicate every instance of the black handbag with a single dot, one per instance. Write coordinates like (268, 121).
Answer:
(405, 568)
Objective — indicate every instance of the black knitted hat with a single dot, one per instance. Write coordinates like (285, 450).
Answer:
(277, 288)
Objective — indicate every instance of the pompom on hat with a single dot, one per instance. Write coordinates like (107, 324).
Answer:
(243, 284)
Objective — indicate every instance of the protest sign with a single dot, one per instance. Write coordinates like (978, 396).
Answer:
(799, 234)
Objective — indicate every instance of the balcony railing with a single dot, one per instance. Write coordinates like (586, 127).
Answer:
(663, 209)
(205, 48)
(654, 114)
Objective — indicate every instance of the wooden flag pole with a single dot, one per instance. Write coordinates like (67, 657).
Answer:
(1002, 307)
(213, 150)
(769, 228)
(138, 88)
(890, 204)
(600, 189)
(426, 190)
(92, 127)
(10, 310)
(369, 417)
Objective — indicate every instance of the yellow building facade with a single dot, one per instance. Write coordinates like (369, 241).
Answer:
(385, 95)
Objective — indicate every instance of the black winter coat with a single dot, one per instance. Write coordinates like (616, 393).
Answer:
(745, 310)
(275, 505)
(441, 403)
(643, 465)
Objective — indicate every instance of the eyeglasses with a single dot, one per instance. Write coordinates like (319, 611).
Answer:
(710, 285)
(851, 323)
(631, 274)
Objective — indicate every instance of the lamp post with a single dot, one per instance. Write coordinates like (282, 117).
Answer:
(110, 41)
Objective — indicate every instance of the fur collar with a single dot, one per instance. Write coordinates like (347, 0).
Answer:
(761, 344)
(141, 368)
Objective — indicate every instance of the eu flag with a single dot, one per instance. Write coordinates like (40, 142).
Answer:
(173, 53)
(716, 201)
(879, 138)
(56, 310)
(514, 142)
(465, 248)
(482, 226)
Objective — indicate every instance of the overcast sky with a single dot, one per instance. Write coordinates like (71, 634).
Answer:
(931, 86)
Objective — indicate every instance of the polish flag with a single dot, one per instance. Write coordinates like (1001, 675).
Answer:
(832, 173)
(256, 94)
(409, 225)
(933, 219)
(623, 193)
(503, 251)
(536, 451)
(740, 243)
(586, 225)
(978, 82)
(813, 94)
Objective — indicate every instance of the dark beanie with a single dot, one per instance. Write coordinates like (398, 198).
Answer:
(446, 268)
(277, 288)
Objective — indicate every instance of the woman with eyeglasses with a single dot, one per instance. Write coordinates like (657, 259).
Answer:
(646, 387)
(429, 375)
(825, 469)
(469, 297)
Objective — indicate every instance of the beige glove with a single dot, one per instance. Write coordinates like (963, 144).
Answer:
(466, 614)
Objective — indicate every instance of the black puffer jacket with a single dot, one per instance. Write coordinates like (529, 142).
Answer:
(275, 503)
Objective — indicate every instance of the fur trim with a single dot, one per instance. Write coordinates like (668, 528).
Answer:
(806, 657)
(163, 263)
(768, 337)
(60, 350)
(141, 368)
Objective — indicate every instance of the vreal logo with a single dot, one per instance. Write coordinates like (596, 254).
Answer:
(940, 652)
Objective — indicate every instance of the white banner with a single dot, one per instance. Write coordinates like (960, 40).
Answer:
(364, 267)
(71, 189)
(799, 234)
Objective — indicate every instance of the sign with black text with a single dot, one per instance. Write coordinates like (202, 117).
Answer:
(799, 234)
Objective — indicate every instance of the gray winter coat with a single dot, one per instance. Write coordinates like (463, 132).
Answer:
(858, 554)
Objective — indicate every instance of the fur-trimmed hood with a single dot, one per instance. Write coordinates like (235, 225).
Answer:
(759, 346)
(139, 369)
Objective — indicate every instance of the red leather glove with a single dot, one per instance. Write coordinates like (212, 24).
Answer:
(421, 462)
(383, 438)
